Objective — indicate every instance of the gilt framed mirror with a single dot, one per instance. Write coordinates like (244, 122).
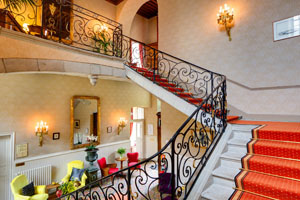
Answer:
(85, 121)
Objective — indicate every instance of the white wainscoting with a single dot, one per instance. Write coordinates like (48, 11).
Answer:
(60, 160)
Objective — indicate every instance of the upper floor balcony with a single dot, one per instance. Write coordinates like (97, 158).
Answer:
(59, 36)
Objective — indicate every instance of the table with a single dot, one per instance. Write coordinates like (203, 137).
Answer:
(121, 160)
(52, 186)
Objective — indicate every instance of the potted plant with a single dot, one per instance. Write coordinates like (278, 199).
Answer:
(121, 151)
(91, 151)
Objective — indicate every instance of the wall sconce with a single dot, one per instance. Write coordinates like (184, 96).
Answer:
(25, 27)
(40, 130)
(122, 123)
(225, 17)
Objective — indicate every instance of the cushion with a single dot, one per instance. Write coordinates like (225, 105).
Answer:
(28, 190)
(39, 197)
(113, 170)
(133, 163)
(133, 157)
(102, 162)
(76, 174)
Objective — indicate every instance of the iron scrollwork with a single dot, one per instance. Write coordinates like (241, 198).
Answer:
(182, 159)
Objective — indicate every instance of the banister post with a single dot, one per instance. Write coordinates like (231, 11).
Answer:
(129, 184)
(173, 169)
(154, 55)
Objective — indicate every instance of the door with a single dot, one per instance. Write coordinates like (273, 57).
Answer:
(136, 138)
(5, 166)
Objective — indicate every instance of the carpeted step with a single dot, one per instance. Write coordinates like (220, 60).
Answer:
(159, 79)
(184, 94)
(175, 89)
(270, 186)
(167, 84)
(272, 165)
(232, 118)
(140, 69)
(282, 134)
(275, 148)
(243, 195)
(194, 100)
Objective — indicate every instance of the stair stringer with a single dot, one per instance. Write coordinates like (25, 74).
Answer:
(210, 165)
(208, 177)
(167, 96)
(161, 93)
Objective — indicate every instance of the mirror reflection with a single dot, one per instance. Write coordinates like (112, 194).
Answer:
(85, 121)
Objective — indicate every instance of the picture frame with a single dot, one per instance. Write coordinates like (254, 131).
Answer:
(56, 136)
(286, 28)
(77, 123)
(21, 150)
(109, 129)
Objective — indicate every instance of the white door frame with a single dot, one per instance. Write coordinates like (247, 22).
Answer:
(12, 155)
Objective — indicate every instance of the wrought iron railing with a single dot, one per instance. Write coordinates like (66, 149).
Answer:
(64, 22)
(192, 79)
(184, 157)
(173, 170)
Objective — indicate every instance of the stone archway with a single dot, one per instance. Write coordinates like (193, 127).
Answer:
(127, 13)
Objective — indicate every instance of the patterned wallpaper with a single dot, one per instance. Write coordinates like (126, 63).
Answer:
(252, 58)
(29, 98)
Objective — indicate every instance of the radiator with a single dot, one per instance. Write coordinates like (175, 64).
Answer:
(39, 175)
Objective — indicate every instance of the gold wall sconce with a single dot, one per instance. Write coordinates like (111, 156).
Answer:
(121, 124)
(41, 129)
(225, 18)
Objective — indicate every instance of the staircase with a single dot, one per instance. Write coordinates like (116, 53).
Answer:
(175, 96)
(221, 182)
(195, 91)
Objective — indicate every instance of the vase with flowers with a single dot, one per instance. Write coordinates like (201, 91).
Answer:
(91, 151)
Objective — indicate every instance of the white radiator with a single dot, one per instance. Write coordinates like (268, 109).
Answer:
(39, 175)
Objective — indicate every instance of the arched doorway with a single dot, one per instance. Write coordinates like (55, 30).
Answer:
(144, 26)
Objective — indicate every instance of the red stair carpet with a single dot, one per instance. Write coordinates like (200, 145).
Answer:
(186, 95)
(271, 168)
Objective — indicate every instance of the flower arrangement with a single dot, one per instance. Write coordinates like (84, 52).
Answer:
(66, 188)
(91, 139)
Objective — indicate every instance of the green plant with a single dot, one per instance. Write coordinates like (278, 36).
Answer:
(16, 4)
(67, 187)
(91, 147)
(102, 41)
(121, 151)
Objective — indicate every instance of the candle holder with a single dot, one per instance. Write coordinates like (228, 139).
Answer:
(225, 18)
(121, 124)
(41, 129)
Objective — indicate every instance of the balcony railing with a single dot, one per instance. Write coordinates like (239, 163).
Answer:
(172, 172)
(64, 22)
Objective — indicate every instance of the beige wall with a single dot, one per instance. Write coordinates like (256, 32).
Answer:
(101, 7)
(27, 99)
(139, 28)
(171, 119)
(143, 29)
(126, 12)
(252, 58)
(152, 27)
